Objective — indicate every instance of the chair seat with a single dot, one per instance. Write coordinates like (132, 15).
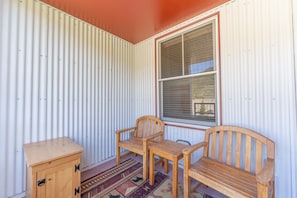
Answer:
(225, 178)
(132, 144)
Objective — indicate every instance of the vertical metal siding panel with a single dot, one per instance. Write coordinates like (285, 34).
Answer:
(60, 76)
(72, 69)
(84, 91)
(3, 92)
(66, 85)
(35, 72)
(76, 81)
(92, 93)
(42, 75)
(96, 95)
(28, 72)
(104, 85)
(12, 94)
(101, 94)
(49, 88)
(21, 97)
(113, 89)
(4, 85)
(55, 73)
(293, 117)
(71, 72)
(108, 92)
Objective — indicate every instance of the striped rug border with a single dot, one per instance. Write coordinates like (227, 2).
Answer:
(93, 182)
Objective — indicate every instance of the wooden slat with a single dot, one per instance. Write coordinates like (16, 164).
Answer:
(146, 130)
(153, 127)
(270, 149)
(213, 145)
(221, 145)
(143, 129)
(258, 156)
(206, 149)
(247, 160)
(229, 148)
(237, 151)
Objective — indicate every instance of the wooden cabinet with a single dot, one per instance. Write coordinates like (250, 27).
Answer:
(53, 168)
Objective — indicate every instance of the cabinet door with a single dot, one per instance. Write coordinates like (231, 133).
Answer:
(61, 181)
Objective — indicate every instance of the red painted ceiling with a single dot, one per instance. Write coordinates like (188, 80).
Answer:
(134, 20)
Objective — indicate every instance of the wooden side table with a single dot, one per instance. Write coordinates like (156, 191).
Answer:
(53, 168)
(168, 150)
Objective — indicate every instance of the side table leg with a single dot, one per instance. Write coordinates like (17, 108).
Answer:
(152, 168)
(165, 165)
(175, 178)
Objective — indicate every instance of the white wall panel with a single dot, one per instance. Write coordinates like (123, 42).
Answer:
(258, 77)
(59, 76)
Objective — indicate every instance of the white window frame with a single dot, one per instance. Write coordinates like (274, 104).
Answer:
(191, 123)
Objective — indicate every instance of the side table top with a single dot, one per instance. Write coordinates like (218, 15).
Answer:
(168, 147)
(48, 150)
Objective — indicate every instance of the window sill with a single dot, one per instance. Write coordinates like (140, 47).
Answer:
(184, 125)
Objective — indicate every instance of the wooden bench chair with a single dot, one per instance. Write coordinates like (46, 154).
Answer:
(236, 161)
(147, 128)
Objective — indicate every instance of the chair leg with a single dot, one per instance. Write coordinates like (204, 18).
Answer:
(273, 189)
(145, 166)
(187, 188)
(118, 156)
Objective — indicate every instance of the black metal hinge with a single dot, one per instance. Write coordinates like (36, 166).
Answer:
(41, 182)
(76, 167)
(76, 191)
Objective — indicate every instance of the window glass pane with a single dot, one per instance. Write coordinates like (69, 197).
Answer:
(171, 58)
(198, 45)
(189, 98)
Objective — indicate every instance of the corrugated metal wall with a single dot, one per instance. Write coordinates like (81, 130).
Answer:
(59, 76)
(258, 77)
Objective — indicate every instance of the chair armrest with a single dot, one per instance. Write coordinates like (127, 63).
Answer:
(125, 130)
(187, 154)
(267, 173)
(189, 150)
(153, 136)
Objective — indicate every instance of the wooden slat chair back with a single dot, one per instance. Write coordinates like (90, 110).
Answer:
(147, 126)
(236, 161)
(146, 129)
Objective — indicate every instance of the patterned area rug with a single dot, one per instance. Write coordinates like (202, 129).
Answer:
(126, 181)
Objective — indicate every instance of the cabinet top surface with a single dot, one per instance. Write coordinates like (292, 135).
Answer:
(44, 151)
